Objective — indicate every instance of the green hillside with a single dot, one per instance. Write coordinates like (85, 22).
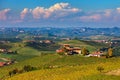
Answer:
(90, 45)
(70, 68)
(48, 63)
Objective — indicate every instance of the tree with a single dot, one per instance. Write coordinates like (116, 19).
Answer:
(85, 51)
(28, 68)
(110, 52)
(10, 73)
(15, 52)
(13, 72)
(100, 68)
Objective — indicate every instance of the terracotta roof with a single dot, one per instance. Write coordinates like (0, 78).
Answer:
(2, 64)
(59, 51)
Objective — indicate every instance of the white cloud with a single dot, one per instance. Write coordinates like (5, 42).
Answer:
(118, 10)
(108, 15)
(60, 12)
(3, 14)
(25, 12)
(91, 18)
(55, 11)
(59, 6)
(38, 12)
(108, 12)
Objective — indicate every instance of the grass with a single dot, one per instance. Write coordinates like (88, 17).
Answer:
(73, 67)
(23, 54)
(71, 71)
(68, 67)
(90, 45)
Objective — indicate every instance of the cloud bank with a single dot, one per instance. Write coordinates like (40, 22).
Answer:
(61, 12)
(4, 14)
(55, 11)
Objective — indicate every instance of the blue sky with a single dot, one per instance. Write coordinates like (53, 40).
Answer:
(59, 13)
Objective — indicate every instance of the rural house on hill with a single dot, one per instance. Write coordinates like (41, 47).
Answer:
(68, 50)
(96, 54)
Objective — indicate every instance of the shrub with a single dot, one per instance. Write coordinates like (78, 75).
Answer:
(47, 66)
(13, 72)
(100, 68)
(28, 68)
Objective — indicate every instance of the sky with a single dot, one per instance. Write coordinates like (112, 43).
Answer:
(59, 13)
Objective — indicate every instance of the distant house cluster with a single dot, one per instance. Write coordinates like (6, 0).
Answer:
(7, 51)
(96, 54)
(6, 63)
(67, 39)
(112, 42)
(41, 41)
(46, 41)
(3, 41)
(3, 50)
(68, 50)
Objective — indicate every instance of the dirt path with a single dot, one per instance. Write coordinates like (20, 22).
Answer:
(114, 72)
(4, 59)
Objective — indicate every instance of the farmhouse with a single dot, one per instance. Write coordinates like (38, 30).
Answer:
(6, 62)
(66, 45)
(68, 50)
(59, 50)
(96, 54)
(77, 50)
(73, 51)
(2, 64)
(3, 50)
(47, 41)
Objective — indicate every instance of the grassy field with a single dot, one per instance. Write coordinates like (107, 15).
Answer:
(91, 46)
(51, 66)
(69, 68)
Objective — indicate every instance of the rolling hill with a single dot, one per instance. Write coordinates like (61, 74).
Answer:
(51, 65)
(70, 68)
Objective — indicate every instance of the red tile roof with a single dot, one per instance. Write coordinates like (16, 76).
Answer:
(2, 64)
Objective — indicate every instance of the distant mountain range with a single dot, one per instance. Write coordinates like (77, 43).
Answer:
(75, 32)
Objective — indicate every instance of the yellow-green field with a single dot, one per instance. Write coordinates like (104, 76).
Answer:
(51, 66)
(83, 69)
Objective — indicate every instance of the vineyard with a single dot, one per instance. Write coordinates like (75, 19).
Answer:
(52, 66)
(71, 68)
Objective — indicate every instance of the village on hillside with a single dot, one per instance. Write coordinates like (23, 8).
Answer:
(66, 49)
(6, 61)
